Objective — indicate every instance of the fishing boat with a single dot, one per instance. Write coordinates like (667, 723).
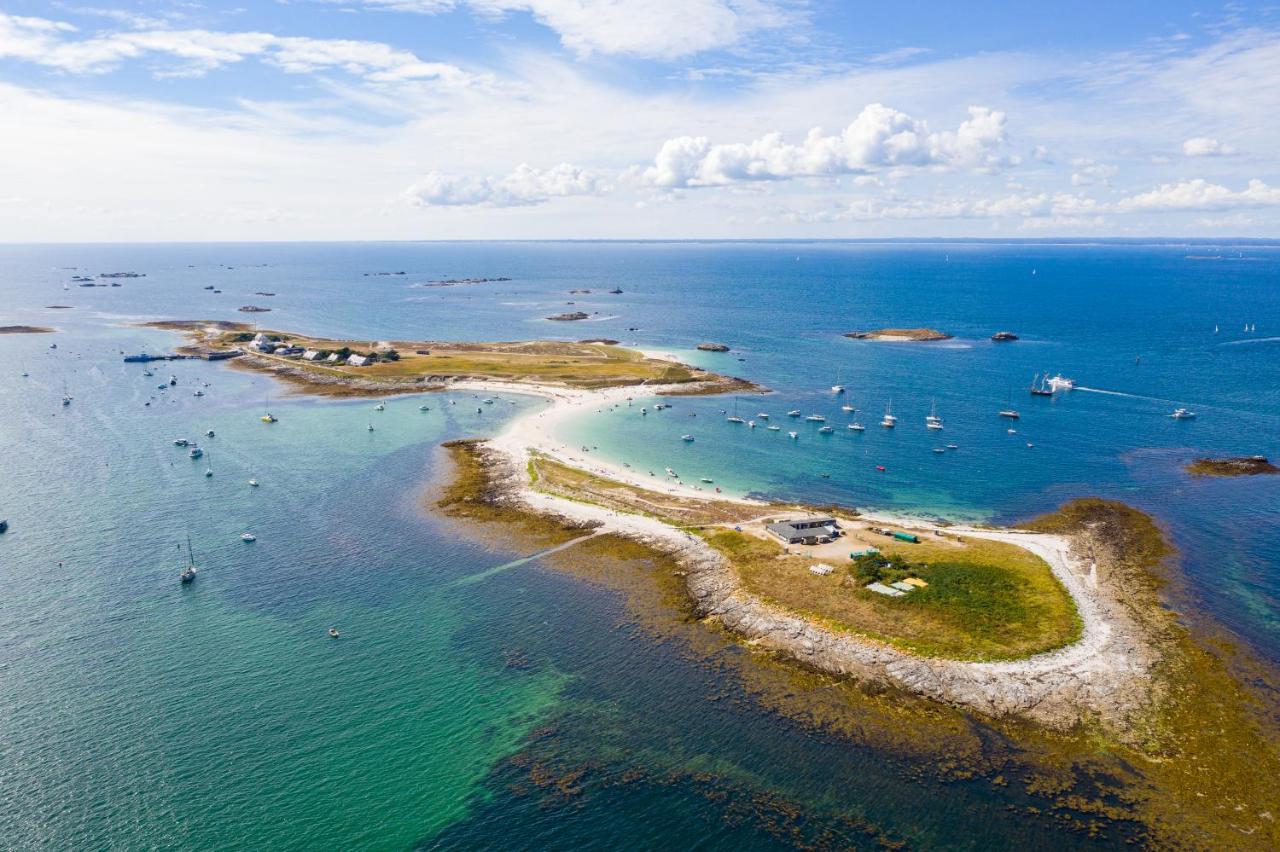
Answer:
(816, 418)
(248, 537)
(1183, 414)
(827, 430)
(188, 573)
(795, 412)
(1038, 388)
(688, 439)
(269, 418)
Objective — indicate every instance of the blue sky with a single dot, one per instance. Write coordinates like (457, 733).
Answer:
(413, 119)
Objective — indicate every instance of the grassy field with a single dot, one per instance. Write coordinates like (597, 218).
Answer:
(985, 600)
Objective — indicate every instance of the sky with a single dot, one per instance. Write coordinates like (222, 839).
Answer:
(158, 120)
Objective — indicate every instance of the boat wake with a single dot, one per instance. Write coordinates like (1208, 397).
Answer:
(471, 579)
(1252, 340)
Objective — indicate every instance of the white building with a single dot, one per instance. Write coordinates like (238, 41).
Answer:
(359, 360)
(311, 355)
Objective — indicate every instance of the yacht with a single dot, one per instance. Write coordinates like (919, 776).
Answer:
(857, 427)
(795, 412)
(734, 418)
(248, 537)
(1010, 413)
(687, 439)
(889, 421)
(1183, 414)
(816, 418)
(189, 571)
(932, 420)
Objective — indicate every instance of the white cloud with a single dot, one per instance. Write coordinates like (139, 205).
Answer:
(663, 29)
(879, 138)
(1199, 194)
(196, 52)
(524, 187)
(1204, 146)
(1089, 172)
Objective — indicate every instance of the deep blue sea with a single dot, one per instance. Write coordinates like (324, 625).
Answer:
(139, 714)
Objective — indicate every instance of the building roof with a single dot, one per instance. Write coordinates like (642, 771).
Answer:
(803, 527)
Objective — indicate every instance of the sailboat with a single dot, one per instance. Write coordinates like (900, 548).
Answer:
(208, 471)
(1038, 388)
(1010, 411)
(734, 418)
(855, 426)
(889, 421)
(66, 397)
(188, 573)
(932, 420)
(837, 388)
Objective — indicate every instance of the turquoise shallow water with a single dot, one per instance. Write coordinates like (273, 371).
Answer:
(139, 713)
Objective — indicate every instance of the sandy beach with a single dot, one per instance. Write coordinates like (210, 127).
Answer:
(1102, 674)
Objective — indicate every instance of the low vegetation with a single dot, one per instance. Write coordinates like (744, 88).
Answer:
(25, 329)
(1239, 466)
(985, 600)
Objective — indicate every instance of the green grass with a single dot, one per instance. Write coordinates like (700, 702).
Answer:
(985, 600)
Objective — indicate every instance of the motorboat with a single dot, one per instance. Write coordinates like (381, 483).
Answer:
(253, 483)
(760, 415)
(180, 442)
(837, 388)
(816, 418)
(195, 452)
(424, 408)
(1183, 414)
(380, 407)
(939, 449)
(1010, 413)
(688, 439)
(248, 537)
(269, 418)
(671, 472)
(370, 427)
(847, 408)
(888, 421)
(751, 424)
(208, 433)
(793, 435)
(333, 633)
(827, 430)
(198, 393)
(774, 428)
(857, 427)
(1061, 383)
(795, 412)
(707, 479)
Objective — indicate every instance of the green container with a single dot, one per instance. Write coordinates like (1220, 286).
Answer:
(901, 536)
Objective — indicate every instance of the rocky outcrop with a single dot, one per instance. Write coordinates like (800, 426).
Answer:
(913, 335)
(569, 317)
(712, 347)
(1237, 466)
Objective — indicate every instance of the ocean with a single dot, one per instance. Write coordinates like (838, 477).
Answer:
(539, 707)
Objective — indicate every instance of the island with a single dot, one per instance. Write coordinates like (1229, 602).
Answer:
(900, 335)
(1234, 466)
(572, 316)
(59, 307)
(26, 329)
(454, 282)
(712, 347)
(336, 367)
